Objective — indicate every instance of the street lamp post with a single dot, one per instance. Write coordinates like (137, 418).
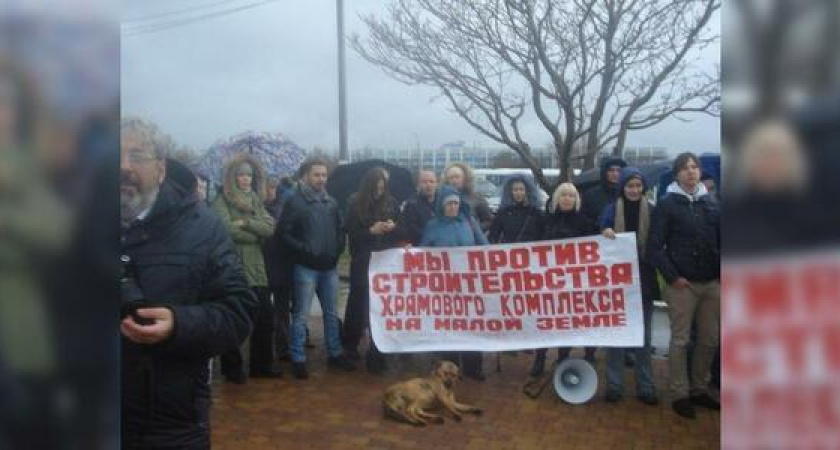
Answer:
(342, 86)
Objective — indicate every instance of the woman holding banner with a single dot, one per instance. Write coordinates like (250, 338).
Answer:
(371, 225)
(632, 212)
(563, 221)
(453, 226)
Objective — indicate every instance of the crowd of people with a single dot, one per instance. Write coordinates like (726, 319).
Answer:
(248, 262)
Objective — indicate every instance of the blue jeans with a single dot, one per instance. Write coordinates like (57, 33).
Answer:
(308, 282)
(643, 366)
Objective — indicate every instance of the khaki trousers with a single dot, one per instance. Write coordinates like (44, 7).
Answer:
(700, 303)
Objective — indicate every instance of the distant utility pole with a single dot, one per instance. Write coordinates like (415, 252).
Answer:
(343, 156)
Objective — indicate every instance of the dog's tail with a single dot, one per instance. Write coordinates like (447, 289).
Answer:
(393, 407)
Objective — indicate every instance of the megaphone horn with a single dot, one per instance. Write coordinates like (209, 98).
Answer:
(575, 381)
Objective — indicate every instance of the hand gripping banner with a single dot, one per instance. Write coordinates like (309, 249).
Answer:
(572, 292)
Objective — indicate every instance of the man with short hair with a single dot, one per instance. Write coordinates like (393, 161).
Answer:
(193, 298)
(419, 208)
(684, 244)
(311, 227)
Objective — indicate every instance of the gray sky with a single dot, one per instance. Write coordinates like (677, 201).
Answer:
(273, 68)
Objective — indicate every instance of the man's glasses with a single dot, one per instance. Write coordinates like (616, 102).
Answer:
(140, 158)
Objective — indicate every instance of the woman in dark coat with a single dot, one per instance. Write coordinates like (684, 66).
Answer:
(371, 224)
(519, 218)
(563, 221)
(631, 212)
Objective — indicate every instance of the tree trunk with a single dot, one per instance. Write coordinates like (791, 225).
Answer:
(618, 150)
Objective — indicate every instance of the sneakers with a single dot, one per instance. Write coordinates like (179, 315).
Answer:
(341, 362)
(612, 397)
(648, 399)
(684, 408)
(705, 401)
(299, 370)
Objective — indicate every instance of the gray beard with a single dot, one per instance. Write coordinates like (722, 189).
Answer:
(131, 207)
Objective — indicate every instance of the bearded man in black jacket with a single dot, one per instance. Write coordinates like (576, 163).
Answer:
(195, 299)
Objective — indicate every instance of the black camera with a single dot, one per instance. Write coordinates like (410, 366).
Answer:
(132, 296)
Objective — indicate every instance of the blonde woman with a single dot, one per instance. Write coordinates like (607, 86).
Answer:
(564, 220)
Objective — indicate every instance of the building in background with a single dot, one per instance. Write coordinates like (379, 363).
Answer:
(492, 158)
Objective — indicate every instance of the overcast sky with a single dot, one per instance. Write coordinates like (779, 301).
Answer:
(273, 68)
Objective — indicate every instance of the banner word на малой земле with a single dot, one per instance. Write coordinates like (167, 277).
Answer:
(572, 292)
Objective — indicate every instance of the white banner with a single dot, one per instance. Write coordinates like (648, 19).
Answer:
(565, 293)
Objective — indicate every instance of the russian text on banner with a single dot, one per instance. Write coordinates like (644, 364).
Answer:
(572, 292)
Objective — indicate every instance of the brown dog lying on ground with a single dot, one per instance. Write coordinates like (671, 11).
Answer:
(409, 401)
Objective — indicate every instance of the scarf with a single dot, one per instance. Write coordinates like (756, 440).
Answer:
(623, 222)
(241, 200)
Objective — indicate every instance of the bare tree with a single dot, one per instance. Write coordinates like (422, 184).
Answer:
(589, 70)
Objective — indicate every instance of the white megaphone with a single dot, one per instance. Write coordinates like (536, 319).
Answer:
(575, 381)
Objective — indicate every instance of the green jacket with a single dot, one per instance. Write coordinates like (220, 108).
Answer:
(249, 237)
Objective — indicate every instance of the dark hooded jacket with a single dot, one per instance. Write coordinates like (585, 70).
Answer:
(598, 197)
(517, 222)
(444, 231)
(311, 227)
(632, 221)
(685, 236)
(416, 213)
(184, 259)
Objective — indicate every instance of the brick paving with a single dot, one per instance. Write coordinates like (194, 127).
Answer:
(338, 410)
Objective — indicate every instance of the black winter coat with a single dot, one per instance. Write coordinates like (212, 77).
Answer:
(185, 260)
(684, 238)
(565, 225)
(312, 230)
(595, 200)
(516, 223)
(417, 211)
(598, 197)
(362, 242)
(278, 266)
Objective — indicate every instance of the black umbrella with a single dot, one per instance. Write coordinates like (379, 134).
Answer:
(345, 180)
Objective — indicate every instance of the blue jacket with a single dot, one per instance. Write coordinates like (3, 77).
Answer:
(443, 231)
